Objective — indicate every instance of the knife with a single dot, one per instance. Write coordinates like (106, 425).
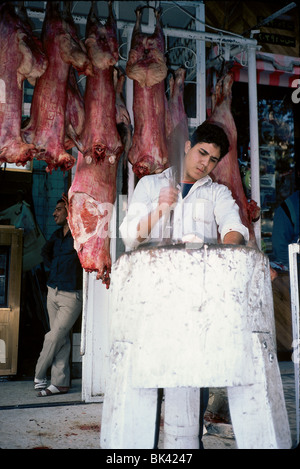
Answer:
(176, 144)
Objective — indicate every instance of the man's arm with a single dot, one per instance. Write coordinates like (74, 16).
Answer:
(47, 251)
(233, 237)
(229, 223)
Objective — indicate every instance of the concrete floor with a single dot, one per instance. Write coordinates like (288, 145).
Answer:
(65, 422)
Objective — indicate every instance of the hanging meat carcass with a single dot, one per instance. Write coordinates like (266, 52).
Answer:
(21, 58)
(46, 129)
(93, 191)
(227, 171)
(147, 68)
(91, 197)
(100, 138)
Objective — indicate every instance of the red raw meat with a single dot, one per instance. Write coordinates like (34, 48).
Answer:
(176, 113)
(46, 129)
(20, 58)
(176, 120)
(93, 191)
(146, 66)
(227, 171)
(100, 138)
(91, 199)
(122, 116)
(75, 114)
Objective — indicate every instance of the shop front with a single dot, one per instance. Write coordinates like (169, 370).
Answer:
(265, 102)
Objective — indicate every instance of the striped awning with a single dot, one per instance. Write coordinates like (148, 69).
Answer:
(272, 69)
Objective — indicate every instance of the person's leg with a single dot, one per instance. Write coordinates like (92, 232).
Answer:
(69, 304)
(56, 348)
(204, 396)
(160, 393)
(48, 349)
(181, 418)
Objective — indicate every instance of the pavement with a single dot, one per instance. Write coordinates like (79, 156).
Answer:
(66, 422)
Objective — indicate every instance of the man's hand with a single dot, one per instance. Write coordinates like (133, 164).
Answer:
(66, 201)
(168, 196)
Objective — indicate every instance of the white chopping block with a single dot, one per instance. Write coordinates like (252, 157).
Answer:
(188, 317)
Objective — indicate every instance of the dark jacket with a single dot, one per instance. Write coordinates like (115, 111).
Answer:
(61, 258)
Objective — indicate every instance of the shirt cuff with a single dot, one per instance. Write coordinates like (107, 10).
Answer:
(239, 228)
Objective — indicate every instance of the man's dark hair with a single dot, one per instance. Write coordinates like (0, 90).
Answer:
(211, 133)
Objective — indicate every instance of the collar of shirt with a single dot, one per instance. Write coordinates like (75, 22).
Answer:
(167, 173)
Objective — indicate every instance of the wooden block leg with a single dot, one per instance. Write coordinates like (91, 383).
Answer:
(258, 412)
(129, 414)
(181, 421)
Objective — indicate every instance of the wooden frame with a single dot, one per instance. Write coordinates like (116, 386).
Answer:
(10, 313)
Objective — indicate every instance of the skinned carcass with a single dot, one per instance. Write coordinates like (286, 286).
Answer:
(93, 191)
(227, 170)
(91, 198)
(146, 66)
(100, 138)
(21, 58)
(46, 128)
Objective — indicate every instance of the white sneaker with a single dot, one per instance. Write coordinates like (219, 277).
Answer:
(40, 383)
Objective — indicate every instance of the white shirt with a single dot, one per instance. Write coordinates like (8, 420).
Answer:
(207, 209)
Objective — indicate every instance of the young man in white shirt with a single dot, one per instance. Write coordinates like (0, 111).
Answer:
(202, 208)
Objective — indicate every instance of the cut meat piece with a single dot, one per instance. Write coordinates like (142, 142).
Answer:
(46, 128)
(227, 171)
(21, 58)
(100, 138)
(147, 68)
(91, 199)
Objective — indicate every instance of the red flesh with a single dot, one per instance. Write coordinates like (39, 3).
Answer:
(46, 129)
(146, 66)
(227, 171)
(20, 58)
(93, 191)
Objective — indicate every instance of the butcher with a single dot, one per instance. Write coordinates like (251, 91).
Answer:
(204, 211)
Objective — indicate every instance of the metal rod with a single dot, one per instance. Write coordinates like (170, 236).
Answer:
(272, 17)
(198, 35)
(294, 249)
(201, 67)
(254, 145)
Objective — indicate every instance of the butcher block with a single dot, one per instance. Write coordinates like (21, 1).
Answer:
(188, 318)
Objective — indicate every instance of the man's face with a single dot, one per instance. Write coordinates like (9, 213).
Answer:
(60, 214)
(200, 160)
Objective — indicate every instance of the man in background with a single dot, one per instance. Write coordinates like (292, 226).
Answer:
(64, 303)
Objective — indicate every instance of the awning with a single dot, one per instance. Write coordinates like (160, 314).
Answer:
(272, 70)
